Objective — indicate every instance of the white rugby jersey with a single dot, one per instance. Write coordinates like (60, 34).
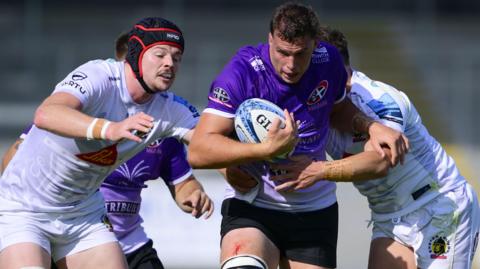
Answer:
(56, 174)
(427, 171)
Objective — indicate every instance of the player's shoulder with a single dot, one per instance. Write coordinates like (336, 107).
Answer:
(368, 88)
(248, 59)
(178, 101)
(100, 69)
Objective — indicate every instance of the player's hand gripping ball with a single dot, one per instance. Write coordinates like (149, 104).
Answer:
(253, 119)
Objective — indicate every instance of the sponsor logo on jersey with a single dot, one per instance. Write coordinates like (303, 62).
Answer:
(318, 93)
(438, 247)
(320, 55)
(74, 85)
(104, 157)
(122, 207)
(312, 139)
(79, 76)
(113, 78)
(257, 63)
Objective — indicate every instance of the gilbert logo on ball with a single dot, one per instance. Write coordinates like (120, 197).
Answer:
(254, 118)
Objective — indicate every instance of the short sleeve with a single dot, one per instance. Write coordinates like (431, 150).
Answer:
(174, 167)
(227, 90)
(179, 118)
(85, 82)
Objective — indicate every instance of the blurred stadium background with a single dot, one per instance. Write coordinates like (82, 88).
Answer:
(429, 49)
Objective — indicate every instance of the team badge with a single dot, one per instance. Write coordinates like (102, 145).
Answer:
(438, 247)
(221, 95)
(104, 157)
(318, 93)
(154, 147)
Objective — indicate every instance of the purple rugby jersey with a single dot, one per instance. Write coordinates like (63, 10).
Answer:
(250, 74)
(122, 188)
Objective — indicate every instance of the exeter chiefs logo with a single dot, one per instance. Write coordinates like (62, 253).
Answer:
(438, 247)
(318, 93)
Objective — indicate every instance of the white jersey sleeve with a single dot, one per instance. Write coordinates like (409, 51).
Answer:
(179, 118)
(380, 101)
(427, 169)
(87, 83)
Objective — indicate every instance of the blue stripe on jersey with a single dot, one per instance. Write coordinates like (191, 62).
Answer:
(386, 108)
(184, 102)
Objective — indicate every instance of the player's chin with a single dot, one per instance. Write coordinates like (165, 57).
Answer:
(161, 86)
(291, 79)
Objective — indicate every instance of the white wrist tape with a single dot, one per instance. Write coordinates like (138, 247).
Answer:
(90, 129)
(103, 133)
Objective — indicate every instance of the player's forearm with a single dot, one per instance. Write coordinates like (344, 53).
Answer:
(213, 151)
(362, 166)
(63, 120)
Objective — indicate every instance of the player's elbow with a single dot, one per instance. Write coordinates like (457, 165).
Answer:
(194, 157)
(40, 118)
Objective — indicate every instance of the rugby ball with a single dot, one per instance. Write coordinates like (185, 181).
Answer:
(253, 119)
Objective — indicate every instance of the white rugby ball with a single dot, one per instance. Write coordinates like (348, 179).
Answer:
(253, 119)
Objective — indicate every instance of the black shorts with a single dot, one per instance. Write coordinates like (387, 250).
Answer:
(307, 237)
(144, 258)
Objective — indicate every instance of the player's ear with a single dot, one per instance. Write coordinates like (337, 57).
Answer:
(270, 39)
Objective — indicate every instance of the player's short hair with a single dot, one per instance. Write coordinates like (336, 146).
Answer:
(121, 46)
(292, 21)
(338, 39)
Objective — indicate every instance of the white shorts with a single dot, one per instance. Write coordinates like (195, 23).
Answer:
(59, 237)
(443, 233)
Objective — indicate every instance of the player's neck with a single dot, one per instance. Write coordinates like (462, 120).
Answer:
(135, 89)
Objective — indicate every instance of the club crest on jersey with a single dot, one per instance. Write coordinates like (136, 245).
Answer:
(219, 95)
(104, 157)
(438, 247)
(318, 93)
(154, 147)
